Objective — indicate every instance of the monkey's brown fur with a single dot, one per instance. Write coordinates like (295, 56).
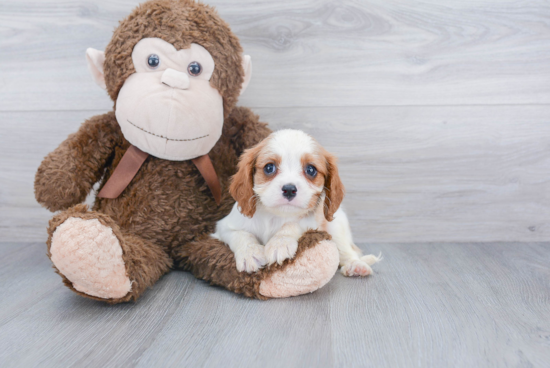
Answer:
(162, 218)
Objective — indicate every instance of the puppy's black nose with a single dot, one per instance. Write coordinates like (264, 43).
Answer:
(289, 191)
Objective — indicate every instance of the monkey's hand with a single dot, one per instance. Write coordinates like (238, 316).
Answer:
(67, 174)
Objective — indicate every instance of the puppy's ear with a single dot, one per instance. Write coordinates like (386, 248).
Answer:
(242, 183)
(334, 189)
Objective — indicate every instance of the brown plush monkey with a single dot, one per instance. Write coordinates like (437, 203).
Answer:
(164, 157)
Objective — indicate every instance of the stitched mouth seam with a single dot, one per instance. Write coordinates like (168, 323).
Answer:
(168, 139)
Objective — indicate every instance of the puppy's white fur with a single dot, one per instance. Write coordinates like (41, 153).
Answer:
(263, 216)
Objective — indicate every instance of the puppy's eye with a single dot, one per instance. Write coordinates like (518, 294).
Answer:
(270, 169)
(153, 61)
(194, 68)
(311, 171)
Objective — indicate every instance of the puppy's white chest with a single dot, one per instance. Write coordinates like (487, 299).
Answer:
(271, 225)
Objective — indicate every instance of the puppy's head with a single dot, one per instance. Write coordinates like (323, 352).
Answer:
(288, 173)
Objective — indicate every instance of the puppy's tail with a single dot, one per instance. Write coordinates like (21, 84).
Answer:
(371, 259)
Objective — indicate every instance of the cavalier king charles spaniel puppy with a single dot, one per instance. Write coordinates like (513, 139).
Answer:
(284, 186)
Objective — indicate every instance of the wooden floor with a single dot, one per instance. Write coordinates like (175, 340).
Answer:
(439, 111)
(428, 305)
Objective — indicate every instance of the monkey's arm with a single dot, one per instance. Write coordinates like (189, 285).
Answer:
(67, 175)
(244, 129)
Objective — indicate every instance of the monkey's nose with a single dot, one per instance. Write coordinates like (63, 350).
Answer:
(289, 191)
(175, 79)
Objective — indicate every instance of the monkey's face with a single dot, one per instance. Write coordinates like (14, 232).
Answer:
(168, 108)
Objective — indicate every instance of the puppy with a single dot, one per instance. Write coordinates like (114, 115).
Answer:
(284, 186)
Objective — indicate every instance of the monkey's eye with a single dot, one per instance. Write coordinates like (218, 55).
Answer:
(153, 61)
(311, 171)
(194, 68)
(270, 169)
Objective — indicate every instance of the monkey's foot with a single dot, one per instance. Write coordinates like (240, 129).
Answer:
(310, 270)
(89, 255)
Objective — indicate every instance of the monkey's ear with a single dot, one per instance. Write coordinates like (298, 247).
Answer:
(247, 66)
(95, 59)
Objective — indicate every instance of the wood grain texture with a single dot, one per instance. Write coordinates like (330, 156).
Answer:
(468, 173)
(305, 53)
(429, 165)
(428, 305)
(448, 173)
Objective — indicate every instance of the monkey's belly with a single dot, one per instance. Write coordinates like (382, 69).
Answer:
(167, 203)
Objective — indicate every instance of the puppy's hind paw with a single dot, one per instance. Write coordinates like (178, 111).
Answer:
(371, 259)
(251, 259)
(356, 267)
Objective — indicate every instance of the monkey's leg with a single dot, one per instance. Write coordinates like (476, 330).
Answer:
(315, 263)
(98, 260)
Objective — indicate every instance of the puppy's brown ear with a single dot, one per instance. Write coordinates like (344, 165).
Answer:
(334, 189)
(242, 183)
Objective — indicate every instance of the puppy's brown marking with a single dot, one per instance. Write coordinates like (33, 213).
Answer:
(264, 158)
(334, 189)
(318, 162)
(242, 183)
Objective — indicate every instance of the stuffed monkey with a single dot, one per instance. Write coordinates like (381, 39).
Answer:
(164, 158)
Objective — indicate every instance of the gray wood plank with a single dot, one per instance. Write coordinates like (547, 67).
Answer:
(305, 53)
(24, 267)
(468, 173)
(428, 305)
(42, 323)
(448, 173)
(227, 331)
(460, 305)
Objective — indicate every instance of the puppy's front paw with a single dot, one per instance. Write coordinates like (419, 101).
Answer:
(280, 248)
(251, 258)
(356, 267)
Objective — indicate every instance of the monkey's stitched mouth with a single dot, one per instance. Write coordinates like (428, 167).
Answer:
(163, 137)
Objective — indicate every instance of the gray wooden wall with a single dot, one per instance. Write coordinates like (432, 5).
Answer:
(439, 110)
